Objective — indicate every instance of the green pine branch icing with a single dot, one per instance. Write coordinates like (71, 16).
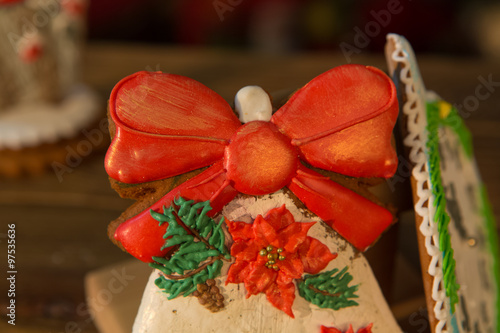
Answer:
(199, 247)
(441, 217)
(329, 289)
(189, 284)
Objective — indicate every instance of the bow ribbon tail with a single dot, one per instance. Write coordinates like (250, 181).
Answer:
(142, 236)
(354, 217)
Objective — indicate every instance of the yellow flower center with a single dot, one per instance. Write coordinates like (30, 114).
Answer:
(272, 256)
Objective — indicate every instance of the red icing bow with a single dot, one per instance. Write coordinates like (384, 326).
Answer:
(340, 121)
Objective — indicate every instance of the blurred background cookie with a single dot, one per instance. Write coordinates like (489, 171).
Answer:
(43, 105)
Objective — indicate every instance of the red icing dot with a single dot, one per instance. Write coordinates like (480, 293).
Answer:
(31, 53)
(260, 160)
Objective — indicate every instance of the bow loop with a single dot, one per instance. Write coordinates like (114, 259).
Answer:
(342, 121)
(165, 120)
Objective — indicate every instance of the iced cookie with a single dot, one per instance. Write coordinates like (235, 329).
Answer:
(456, 230)
(43, 105)
(237, 210)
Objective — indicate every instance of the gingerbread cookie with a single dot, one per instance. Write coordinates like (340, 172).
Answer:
(456, 231)
(243, 224)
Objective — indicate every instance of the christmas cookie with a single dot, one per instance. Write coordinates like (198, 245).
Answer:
(456, 231)
(43, 105)
(242, 215)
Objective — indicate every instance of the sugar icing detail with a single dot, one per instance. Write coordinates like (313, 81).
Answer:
(415, 111)
(440, 217)
(253, 103)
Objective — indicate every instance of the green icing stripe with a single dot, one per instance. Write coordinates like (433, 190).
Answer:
(455, 122)
(441, 217)
(491, 229)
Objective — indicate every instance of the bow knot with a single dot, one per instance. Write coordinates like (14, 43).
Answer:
(260, 159)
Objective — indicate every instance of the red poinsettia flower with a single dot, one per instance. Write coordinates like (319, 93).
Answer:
(273, 251)
(367, 329)
(341, 121)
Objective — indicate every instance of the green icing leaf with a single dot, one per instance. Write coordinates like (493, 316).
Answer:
(191, 247)
(329, 289)
(201, 256)
(184, 205)
(158, 217)
(178, 239)
(217, 239)
(214, 269)
(186, 286)
(199, 242)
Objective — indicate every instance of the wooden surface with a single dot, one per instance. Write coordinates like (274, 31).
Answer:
(116, 293)
(61, 225)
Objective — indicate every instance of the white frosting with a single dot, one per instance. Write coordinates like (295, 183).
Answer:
(28, 125)
(256, 314)
(253, 103)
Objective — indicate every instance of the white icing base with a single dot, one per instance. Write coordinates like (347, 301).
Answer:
(256, 314)
(28, 125)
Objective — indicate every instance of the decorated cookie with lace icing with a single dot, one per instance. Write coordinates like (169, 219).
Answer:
(455, 223)
(246, 220)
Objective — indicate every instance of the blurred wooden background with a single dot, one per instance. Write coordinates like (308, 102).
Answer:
(61, 225)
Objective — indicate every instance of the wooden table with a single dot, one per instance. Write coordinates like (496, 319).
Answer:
(61, 226)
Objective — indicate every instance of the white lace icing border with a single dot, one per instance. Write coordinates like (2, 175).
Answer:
(416, 126)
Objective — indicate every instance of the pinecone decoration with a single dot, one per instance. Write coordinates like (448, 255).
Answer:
(209, 296)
